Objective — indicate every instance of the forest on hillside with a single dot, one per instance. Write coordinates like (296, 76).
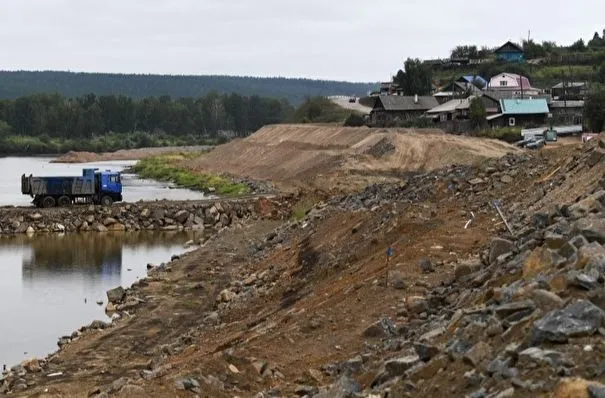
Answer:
(14, 84)
(52, 123)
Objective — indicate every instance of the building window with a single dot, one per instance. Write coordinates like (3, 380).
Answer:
(511, 121)
(503, 83)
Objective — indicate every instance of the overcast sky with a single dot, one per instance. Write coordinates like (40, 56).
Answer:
(358, 40)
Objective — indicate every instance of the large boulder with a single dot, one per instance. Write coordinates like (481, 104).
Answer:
(499, 247)
(579, 319)
(116, 295)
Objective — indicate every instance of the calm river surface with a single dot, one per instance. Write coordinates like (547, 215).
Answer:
(50, 283)
(134, 189)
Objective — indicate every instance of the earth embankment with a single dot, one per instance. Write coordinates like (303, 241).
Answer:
(323, 156)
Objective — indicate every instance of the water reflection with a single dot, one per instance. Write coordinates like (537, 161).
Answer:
(50, 283)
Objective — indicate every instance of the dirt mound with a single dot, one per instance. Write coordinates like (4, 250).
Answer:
(295, 155)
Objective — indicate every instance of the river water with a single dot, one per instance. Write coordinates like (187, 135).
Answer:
(134, 189)
(50, 284)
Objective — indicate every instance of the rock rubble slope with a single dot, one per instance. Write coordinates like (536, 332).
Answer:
(466, 307)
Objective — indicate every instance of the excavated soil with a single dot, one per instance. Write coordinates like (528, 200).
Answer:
(347, 158)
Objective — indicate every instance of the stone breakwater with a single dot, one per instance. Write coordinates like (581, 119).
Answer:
(159, 216)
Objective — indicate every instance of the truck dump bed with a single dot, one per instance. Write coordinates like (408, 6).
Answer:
(56, 186)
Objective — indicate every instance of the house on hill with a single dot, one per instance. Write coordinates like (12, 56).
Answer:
(520, 112)
(569, 90)
(390, 109)
(452, 110)
(464, 86)
(513, 84)
(510, 52)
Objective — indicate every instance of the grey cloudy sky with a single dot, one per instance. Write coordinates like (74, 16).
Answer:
(357, 40)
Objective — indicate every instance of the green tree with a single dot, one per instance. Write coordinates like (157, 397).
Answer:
(533, 49)
(354, 120)
(601, 73)
(415, 78)
(465, 52)
(578, 46)
(594, 110)
(477, 113)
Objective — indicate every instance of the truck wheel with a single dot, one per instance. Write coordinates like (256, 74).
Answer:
(64, 201)
(106, 201)
(48, 201)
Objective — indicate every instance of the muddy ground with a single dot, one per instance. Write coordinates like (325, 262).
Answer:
(280, 308)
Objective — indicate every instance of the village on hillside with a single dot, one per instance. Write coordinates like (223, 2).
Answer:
(508, 100)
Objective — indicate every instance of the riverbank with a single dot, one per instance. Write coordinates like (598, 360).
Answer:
(151, 216)
(171, 167)
(12, 145)
(127, 154)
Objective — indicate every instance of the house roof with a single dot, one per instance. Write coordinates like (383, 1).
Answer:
(497, 95)
(524, 106)
(406, 103)
(521, 80)
(570, 84)
(452, 105)
(509, 47)
(567, 104)
(471, 79)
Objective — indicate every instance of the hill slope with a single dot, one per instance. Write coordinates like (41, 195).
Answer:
(19, 83)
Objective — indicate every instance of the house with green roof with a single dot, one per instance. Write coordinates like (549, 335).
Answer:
(515, 112)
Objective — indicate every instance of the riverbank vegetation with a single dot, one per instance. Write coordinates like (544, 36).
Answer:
(169, 167)
(45, 145)
(320, 110)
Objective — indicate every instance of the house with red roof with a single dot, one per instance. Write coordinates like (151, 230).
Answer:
(512, 83)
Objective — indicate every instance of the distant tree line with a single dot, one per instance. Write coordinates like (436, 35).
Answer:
(56, 116)
(14, 84)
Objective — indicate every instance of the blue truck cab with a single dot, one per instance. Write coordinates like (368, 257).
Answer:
(94, 186)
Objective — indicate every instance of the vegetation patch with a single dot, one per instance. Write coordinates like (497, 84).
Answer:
(303, 206)
(320, 110)
(169, 167)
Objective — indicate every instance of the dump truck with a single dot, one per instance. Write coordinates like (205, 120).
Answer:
(93, 187)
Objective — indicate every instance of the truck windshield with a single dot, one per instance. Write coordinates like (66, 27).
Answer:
(115, 178)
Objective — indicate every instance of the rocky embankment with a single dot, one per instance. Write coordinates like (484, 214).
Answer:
(473, 306)
(161, 215)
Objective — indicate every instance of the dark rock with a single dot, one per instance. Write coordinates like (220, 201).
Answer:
(394, 368)
(592, 228)
(481, 393)
(426, 265)
(597, 297)
(116, 295)
(506, 310)
(182, 216)
(579, 319)
(352, 366)
(187, 384)
(578, 241)
(455, 349)
(554, 241)
(596, 391)
(382, 328)
(473, 378)
(592, 204)
(501, 368)
(345, 387)
(499, 247)
(175, 257)
(426, 352)
(309, 391)
(540, 356)
(582, 280)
